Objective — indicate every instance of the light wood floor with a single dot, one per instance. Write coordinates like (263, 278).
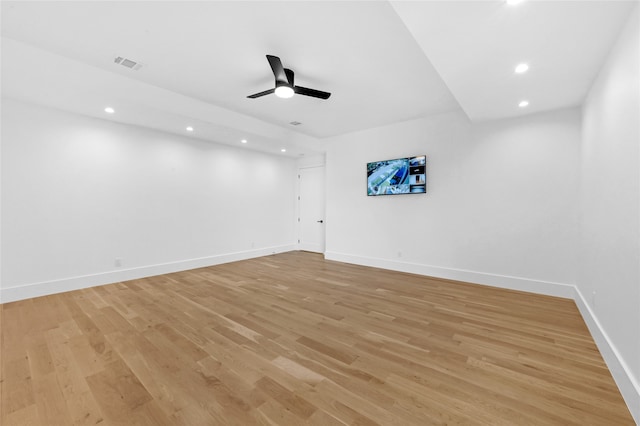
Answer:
(293, 339)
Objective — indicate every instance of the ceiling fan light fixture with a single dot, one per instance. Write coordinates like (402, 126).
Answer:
(285, 86)
(284, 92)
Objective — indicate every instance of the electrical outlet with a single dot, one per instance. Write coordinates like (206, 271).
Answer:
(117, 262)
(399, 254)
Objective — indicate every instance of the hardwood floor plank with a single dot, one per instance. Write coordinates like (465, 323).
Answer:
(288, 399)
(27, 416)
(82, 406)
(293, 339)
(18, 386)
(50, 400)
(117, 389)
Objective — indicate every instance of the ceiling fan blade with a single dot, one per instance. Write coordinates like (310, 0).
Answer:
(257, 95)
(278, 69)
(311, 92)
(290, 76)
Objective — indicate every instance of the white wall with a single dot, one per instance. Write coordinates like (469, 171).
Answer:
(548, 203)
(500, 208)
(316, 160)
(79, 192)
(609, 259)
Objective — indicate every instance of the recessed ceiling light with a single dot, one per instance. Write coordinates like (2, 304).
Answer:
(523, 104)
(189, 129)
(522, 68)
(109, 110)
(243, 141)
(283, 150)
(514, 2)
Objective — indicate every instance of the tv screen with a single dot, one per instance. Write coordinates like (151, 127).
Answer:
(399, 176)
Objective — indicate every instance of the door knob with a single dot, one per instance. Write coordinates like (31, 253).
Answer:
(321, 221)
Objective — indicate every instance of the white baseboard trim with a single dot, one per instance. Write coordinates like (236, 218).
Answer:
(26, 291)
(494, 280)
(629, 387)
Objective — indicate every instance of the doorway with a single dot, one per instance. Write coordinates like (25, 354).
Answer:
(311, 199)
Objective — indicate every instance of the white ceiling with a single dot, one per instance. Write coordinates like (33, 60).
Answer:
(476, 45)
(384, 62)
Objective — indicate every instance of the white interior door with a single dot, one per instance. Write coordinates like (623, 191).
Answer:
(311, 230)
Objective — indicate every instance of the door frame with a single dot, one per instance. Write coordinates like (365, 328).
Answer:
(324, 204)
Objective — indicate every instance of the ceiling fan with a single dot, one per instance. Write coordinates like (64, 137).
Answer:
(284, 83)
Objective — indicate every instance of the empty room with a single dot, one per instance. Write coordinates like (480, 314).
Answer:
(320, 213)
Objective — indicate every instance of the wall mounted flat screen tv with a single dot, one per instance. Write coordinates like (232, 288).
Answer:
(399, 176)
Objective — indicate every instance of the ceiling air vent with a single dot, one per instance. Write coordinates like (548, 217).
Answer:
(295, 123)
(127, 63)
